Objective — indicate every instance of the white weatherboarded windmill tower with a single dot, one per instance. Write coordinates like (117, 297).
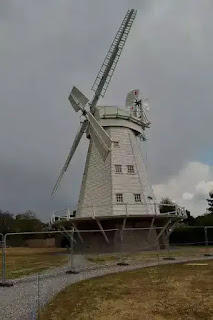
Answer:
(115, 190)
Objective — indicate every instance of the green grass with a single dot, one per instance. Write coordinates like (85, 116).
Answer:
(21, 262)
(170, 292)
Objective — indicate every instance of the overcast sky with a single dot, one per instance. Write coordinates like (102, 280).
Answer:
(47, 46)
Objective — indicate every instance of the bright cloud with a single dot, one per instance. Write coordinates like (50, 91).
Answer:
(189, 188)
(203, 187)
(187, 196)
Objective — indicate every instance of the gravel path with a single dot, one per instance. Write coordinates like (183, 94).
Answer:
(20, 301)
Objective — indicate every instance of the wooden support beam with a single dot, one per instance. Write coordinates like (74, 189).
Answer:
(172, 228)
(123, 227)
(78, 233)
(102, 230)
(151, 228)
(67, 234)
(164, 228)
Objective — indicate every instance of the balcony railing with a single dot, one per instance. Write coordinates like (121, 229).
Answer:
(121, 209)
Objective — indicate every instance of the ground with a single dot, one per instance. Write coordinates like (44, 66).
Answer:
(170, 292)
(25, 261)
(152, 256)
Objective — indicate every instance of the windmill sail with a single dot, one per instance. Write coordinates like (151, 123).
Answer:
(101, 133)
(107, 69)
(102, 149)
(72, 151)
(77, 99)
(100, 137)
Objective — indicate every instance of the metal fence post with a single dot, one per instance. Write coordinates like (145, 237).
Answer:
(169, 256)
(93, 211)
(3, 260)
(207, 253)
(157, 247)
(122, 261)
(71, 252)
(2, 256)
(72, 269)
(155, 208)
(3, 282)
(126, 209)
(38, 296)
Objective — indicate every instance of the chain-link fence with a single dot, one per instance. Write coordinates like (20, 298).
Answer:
(43, 261)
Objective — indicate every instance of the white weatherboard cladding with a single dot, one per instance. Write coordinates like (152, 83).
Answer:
(129, 153)
(143, 174)
(95, 195)
(101, 183)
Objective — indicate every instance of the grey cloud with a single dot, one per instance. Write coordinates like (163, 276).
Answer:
(48, 46)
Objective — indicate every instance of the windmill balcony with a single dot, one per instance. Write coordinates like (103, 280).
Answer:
(109, 115)
(119, 210)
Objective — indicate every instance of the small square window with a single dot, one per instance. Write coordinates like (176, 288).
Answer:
(118, 168)
(119, 197)
(137, 197)
(116, 144)
(130, 169)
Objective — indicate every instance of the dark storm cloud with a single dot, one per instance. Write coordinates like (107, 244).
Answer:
(48, 46)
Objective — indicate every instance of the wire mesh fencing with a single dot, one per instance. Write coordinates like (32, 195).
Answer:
(46, 262)
(2, 247)
(23, 255)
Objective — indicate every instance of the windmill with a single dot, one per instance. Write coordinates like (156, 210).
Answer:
(115, 188)
(79, 102)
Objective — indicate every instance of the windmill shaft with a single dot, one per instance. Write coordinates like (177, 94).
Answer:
(104, 76)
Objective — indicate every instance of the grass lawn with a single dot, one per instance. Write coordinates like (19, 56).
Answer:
(25, 261)
(170, 292)
(151, 256)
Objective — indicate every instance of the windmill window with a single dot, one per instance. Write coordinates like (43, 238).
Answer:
(118, 168)
(130, 169)
(119, 197)
(137, 197)
(116, 144)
